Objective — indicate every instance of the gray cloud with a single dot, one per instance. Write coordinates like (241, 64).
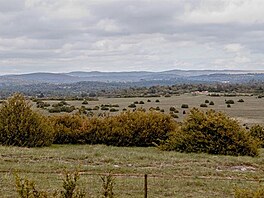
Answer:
(65, 35)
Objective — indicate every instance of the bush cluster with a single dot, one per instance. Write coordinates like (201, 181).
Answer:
(126, 129)
(211, 132)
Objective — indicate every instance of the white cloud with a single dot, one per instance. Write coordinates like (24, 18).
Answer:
(48, 35)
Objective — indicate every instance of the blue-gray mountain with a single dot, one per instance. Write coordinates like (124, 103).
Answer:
(232, 76)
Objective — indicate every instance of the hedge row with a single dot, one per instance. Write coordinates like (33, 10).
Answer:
(126, 129)
(210, 132)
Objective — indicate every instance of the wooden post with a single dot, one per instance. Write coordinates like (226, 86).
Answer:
(146, 186)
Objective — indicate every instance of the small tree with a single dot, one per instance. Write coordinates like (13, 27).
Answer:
(20, 126)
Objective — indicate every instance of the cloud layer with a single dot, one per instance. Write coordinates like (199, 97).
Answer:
(125, 35)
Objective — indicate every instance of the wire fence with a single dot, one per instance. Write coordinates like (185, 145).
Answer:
(144, 185)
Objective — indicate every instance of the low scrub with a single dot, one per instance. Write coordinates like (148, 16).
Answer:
(211, 132)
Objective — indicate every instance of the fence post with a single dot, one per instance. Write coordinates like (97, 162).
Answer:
(146, 186)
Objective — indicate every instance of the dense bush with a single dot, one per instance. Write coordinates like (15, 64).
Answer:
(20, 126)
(206, 101)
(126, 129)
(230, 102)
(211, 103)
(172, 108)
(203, 105)
(211, 132)
(257, 132)
(132, 105)
(185, 106)
(240, 100)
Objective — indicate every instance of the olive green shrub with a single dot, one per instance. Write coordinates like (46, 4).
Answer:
(211, 132)
(20, 126)
(136, 128)
(257, 132)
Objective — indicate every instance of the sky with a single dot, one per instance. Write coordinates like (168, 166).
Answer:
(130, 35)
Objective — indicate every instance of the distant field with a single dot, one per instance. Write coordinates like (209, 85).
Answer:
(251, 111)
(171, 174)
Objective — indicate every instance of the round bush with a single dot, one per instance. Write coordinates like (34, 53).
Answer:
(206, 101)
(20, 126)
(211, 132)
(230, 102)
(185, 106)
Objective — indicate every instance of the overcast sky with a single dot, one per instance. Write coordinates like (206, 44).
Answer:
(126, 35)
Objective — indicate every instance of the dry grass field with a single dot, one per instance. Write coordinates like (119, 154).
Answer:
(251, 111)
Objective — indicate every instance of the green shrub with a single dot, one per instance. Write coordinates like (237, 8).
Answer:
(148, 100)
(230, 102)
(211, 103)
(69, 129)
(136, 128)
(211, 132)
(240, 100)
(157, 100)
(104, 108)
(20, 126)
(257, 132)
(132, 105)
(96, 108)
(206, 101)
(85, 102)
(113, 110)
(228, 106)
(172, 108)
(203, 105)
(185, 106)
(126, 129)
(141, 102)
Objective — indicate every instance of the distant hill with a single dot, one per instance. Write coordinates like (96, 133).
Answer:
(135, 76)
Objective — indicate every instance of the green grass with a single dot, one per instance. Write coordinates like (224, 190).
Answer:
(171, 174)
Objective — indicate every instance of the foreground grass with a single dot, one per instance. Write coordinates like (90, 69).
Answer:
(171, 174)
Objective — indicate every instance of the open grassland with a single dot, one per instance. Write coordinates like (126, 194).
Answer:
(171, 174)
(251, 111)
